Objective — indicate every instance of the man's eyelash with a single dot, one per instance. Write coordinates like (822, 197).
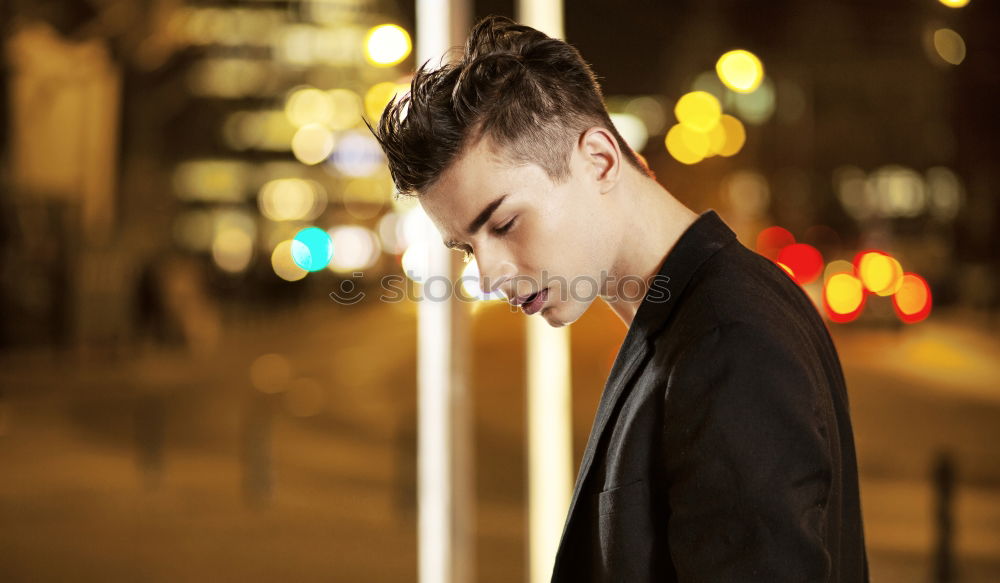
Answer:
(468, 255)
(505, 228)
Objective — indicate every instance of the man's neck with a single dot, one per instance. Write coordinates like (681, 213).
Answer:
(652, 221)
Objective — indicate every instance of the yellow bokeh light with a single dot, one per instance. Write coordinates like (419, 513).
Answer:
(716, 139)
(837, 266)
(677, 146)
(291, 199)
(232, 249)
(283, 264)
(880, 273)
(699, 110)
(387, 45)
(954, 3)
(312, 144)
(309, 105)
(736, 135)
(379, 96)
(346, 109)
(950, 46)
(696, 142)
(844, 293)
(740, 70)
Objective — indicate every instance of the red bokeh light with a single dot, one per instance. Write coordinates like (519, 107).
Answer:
(772, 240)
(804, 260)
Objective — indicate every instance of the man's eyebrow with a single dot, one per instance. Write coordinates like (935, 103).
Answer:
(478, 222)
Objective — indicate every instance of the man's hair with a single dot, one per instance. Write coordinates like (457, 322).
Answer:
(533, 95)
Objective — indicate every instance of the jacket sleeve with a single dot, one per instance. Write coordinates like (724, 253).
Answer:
(748, 460)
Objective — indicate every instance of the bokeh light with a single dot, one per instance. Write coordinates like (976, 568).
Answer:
(312, 144)
(232, 249)
(954, 3)
(355, 248)
(307, 105)
(211, 180)
(365, 198)
(387, 45)
(843, 297)
(416, 264)
(687, 145)
(312, 249)
(735, 136)
(632, 129)
(283, 264)
(913, 299)
(388, 228)
(740, 70)
(291, 199)
(347, 107)
(357, 154)
(698, 110)
(804, 260)
(880, 273)
(755, 107)
(380, 94)
(772, 240)
(837, 266)
(650, 110)
(950, 46)
(471, 287)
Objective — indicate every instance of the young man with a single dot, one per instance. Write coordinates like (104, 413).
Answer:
(722, 447)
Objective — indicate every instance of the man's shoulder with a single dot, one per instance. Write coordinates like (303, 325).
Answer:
(738, 291)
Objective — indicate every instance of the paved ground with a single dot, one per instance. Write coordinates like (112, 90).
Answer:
(159, 467)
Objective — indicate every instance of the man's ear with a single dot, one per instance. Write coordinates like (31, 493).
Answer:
(602, 156)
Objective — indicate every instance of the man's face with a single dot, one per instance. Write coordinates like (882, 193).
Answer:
(558, 236)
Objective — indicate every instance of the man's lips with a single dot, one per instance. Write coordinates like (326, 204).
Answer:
(534, 302)
(519, 300)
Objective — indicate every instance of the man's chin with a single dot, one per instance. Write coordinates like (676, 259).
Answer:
(563, 314)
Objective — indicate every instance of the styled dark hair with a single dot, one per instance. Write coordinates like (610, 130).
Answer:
(532, 94)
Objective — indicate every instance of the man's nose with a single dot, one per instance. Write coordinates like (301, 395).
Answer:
(493, 271)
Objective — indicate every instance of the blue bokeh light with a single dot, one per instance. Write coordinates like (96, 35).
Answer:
(312, 249)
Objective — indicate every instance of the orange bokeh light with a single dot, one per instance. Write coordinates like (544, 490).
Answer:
(912, 300)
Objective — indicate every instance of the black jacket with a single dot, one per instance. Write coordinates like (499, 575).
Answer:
(722, 447)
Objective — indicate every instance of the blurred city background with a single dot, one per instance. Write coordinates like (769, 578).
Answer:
(185, 182)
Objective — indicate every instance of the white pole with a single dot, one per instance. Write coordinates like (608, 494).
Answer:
(549, 398)
(443, 472)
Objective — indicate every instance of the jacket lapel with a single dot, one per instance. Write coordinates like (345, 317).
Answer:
(633, 351)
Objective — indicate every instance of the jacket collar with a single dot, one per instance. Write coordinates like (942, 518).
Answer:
(706, 235)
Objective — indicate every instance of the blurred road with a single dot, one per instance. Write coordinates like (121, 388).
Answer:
(157, 466)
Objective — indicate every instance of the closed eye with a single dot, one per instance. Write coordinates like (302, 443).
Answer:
(503, 230)
(467, 255)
